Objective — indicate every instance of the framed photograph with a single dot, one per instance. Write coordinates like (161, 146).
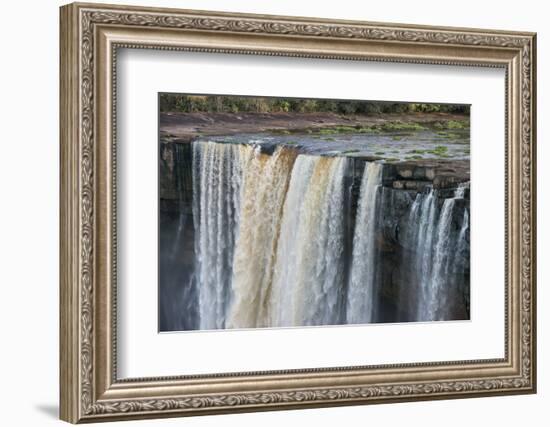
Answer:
(267, 212)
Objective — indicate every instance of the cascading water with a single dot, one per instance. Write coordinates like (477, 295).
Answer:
(436, 245)
(362, 290)
(284, 308)
(307, 286)
(426, 219)
(272, 232)
(264, 186)
(435, 303)
(216, 200)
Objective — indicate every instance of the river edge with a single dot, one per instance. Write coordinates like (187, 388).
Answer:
(186, 127)
(413, 175)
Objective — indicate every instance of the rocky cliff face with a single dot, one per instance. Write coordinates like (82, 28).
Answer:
(176, 238)
(397, 235)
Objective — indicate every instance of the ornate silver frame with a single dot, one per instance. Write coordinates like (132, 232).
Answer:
(90, 36)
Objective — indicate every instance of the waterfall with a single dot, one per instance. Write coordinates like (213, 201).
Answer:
(427, 224)
(265, 181)
(435, 304)
(307, 285)
(436, 245)
(216, 198)
(361, 290)
(283, 239)
(462, 248)
(284, 309)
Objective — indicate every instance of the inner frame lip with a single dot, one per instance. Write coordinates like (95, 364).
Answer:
(425, 366)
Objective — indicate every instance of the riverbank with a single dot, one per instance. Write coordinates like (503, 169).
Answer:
(188, 126)
(425, 150)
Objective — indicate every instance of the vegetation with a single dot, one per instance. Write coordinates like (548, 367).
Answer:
(439, 150)
(451, 124)
(455, 124)
(400, 126)
(238, 104)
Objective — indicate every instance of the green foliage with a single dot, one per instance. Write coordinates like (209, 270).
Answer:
(455, 124)
(451, 124)
(425, 108)
(401, 126)
(345, 129)
(281, 105)
(368, 129)
(440, 151)
(327, 131)
(237, 104)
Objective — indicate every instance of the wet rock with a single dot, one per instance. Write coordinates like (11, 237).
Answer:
(405, 171)
(399, 185)
(175, 173)
(429, 173)
(410, 185)
(420, 173)
(446, 181)
(398, 284)
(442, 173)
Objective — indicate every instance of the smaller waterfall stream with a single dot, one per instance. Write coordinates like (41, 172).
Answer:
(436, 247)
(362, 291)
(216, 178)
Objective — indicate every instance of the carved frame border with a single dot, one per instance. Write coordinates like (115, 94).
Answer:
(89, 387)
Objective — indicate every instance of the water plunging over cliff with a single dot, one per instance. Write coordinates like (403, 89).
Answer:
(217, 179)
(362, 291)
(439, 253)
(308, 280)
(265, 181)
(272, 233)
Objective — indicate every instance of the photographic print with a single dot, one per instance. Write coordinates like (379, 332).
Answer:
(286, 212)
